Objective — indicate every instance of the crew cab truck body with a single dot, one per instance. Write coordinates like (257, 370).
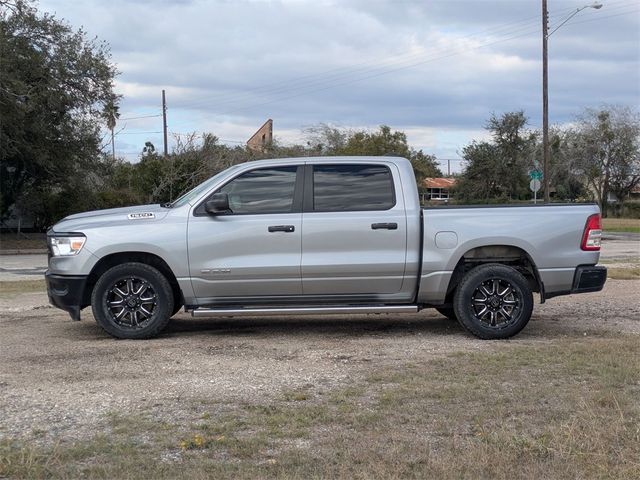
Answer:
(319, 235)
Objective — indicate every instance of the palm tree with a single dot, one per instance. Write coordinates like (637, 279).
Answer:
(111, 114)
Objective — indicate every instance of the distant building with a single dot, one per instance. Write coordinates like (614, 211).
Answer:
(262, 138)
(436, 189)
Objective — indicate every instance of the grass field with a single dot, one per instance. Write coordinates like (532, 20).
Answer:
(631, 273)
(556, 410)
(621, 225)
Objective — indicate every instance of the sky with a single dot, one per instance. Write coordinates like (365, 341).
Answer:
(435, 69)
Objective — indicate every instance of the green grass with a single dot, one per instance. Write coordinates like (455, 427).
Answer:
(631, 273)
(629, 225)
(562, 410)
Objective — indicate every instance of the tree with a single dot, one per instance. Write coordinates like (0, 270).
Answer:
(54, 82)
(563, 177)
(604, 148)
(497, 170)
(111, 114)
(328, 140)
(479, 181)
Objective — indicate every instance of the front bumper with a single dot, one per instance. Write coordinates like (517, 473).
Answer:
(66, 292)
(589, 279)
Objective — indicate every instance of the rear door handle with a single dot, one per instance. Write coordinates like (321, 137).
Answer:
(384, 226)
(282, 228)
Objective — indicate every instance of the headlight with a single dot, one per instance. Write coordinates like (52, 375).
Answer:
(66, 246)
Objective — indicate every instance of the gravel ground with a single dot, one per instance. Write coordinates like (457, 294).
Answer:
(61, 379)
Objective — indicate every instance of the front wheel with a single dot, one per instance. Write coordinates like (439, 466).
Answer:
(493, 301)
(132, 300)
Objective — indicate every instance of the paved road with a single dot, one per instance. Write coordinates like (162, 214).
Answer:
(621, 246)
(22, 267)
(32, 267)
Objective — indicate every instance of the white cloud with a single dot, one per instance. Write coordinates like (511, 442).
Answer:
(435, 69)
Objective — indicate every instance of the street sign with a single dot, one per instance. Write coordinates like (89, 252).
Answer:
(535, 175)
(534, 185)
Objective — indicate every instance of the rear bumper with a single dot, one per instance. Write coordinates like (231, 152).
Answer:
(589, 279)
(66, 292)
(586, 278)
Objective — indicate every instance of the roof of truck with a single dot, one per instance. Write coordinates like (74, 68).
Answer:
(329, 159)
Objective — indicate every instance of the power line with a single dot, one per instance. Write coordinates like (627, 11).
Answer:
(137, 118)
(367, 73)
(298, 84)
(277, 86)
(137, 133)
(391, 70)
(384, 72)
(381, 70)
(185, 134)
(637, 10)
(608, 9)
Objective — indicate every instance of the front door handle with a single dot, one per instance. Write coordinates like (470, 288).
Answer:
(282, 228)
(384, 226)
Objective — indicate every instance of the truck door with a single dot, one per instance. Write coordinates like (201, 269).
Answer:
(255, 249)
(354, 231)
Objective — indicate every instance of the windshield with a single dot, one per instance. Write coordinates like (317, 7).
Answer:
(200, 189)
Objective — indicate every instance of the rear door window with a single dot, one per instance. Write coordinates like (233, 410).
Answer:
(357, 187)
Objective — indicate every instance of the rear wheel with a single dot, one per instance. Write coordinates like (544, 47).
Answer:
(493, 301)
(132, 300)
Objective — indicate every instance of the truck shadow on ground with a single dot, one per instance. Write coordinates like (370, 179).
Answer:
(183, 326)
(349, 327)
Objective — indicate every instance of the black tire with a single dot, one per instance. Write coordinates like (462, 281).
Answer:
(493, 301)
(132, 301)
(448, 312)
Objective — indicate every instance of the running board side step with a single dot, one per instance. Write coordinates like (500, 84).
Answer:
(242, 312)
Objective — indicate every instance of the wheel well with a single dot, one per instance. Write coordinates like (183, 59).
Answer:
(114, 259)
(505, 254)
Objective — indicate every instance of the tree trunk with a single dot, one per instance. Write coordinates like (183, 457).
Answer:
(113, 146)
(605, 196)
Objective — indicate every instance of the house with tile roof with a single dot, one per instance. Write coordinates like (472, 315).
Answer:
(436, 189)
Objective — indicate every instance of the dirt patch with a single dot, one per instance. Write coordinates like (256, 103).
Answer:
(64, 378)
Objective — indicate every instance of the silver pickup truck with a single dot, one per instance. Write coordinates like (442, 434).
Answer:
(330, 235)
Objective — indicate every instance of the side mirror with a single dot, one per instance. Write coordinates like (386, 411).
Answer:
(218, 204)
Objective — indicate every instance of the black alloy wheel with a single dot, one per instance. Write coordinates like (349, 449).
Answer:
(131, 302)
(496, 303)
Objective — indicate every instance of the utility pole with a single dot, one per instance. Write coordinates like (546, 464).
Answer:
(448, 167)
(545, 86)
(164, 121)
(545, 101)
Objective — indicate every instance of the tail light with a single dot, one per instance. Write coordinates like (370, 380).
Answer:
(592, 233)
